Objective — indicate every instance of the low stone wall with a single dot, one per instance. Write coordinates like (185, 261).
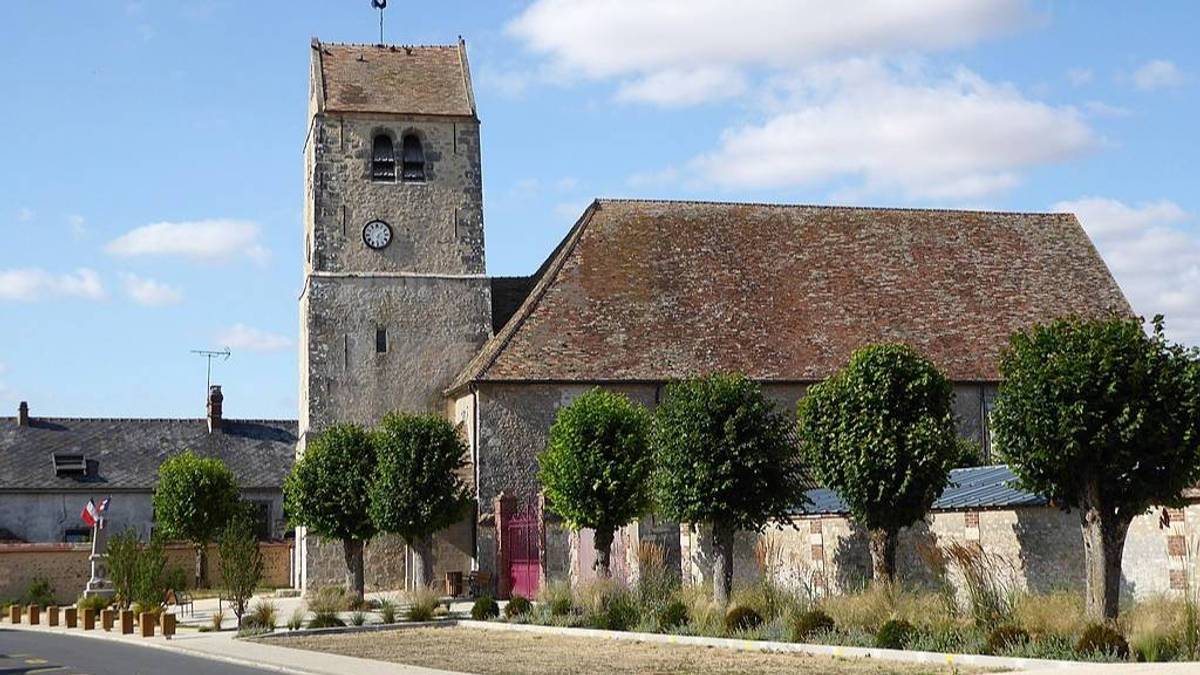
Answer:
(67, 569)
(1036, 549)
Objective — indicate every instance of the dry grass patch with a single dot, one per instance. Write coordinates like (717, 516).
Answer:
(490, 652)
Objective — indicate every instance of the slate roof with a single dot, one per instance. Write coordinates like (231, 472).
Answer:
(657, 290)
(129, 451)
(425, 80)
(980, 487)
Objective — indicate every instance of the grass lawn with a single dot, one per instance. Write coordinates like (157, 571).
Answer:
(489, 652)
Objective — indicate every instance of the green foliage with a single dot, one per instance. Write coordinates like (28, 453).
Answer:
(417, 488)
(672, 615)
(557, 597)
(325, 620)
(327, 490)
(810, 623)
(741, 618)
(262, 616)
(40, 592)
(358, 618)
(241, 562)
(614, 608)
(1101, 638)
(176, 578)
(95, 602)
(423, 603)
(1005, 637)
(970, 453)
(387, 610)
(194, 498)
(596, 470)
(723, 455)
(894, 634)
(485, 608)
(149, 577)
(1100, 401)
(656, 581)
(517, 606)
(296, 620)
(123, 549)
(881, 433)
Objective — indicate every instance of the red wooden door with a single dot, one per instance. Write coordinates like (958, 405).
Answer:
(525, 557)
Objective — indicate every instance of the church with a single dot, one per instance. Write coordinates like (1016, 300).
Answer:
(397, 311)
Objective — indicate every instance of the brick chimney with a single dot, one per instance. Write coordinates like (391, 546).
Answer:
(23, 414)
(215, 398)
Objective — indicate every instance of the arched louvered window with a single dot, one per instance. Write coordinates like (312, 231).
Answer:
(383, 159)
(413, 158)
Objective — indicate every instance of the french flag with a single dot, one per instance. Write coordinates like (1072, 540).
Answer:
(90, 514)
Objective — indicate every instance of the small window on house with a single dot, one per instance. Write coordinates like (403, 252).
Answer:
(77, 535)
(380, 340)
(383, 159)
(413, 159)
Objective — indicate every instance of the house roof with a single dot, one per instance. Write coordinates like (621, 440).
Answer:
(658, 290)
(977, 487)
(129, 451)
(424, 80)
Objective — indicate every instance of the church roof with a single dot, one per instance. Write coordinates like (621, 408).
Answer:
(425, 80)
(658, 290)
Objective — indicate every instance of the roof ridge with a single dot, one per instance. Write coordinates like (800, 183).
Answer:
(385, 45)
(148, 419)
(831, 207)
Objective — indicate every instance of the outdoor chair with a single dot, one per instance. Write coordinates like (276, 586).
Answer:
(181, 600)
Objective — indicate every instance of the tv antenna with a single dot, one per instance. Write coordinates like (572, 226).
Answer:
(380, 5)
(209, 354)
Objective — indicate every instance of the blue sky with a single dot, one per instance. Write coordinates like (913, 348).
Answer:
(150, 196)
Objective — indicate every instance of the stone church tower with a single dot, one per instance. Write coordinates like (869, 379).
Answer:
(395, 299)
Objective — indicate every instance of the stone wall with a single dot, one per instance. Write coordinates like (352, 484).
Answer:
(1036, 549)
(67, 569)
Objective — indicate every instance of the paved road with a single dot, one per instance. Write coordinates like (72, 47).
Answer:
(27, 652)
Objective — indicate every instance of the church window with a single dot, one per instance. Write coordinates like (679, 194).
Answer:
(383, 159)
(413, 158)
(380, 340)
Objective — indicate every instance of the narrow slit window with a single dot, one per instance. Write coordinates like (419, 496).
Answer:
(383, 159)
(413, 158)
(380, 340)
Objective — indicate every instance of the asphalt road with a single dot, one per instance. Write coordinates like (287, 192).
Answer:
(23, 652)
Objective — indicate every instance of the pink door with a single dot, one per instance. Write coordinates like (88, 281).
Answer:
(525, 559)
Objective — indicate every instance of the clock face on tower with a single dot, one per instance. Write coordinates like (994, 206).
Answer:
(377, 234)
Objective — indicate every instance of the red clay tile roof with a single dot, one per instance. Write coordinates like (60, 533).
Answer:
(396, 79)
(649, 291)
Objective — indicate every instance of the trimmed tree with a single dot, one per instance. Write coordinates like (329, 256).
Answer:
(241, 562)
(596, 469)
(1100, 417)
(880, 432)
(193, 500)
(417, 489)
(327, 493)
(723, 457)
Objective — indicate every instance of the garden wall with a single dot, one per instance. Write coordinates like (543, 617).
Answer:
(67, 569)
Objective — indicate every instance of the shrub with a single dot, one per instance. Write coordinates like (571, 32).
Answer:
(241, 562)
(176, 578)
(423, 603)
(672, 615)
(387, 610)
(216, 620)
(1157, 628)
(40, 592)
(358, 618)
(656, 582)
(616, 610)
(1058, 614)
(867, 610)
(263, 615)
(557, 597)
(989, 592)
(485, 608)
(96, 602)
(742, 618)
(325, 620)
(328, 600)
(1004, 637)
(296, 620)
(517, 606)
(1102, 639)
(894, 634)
(810, 623)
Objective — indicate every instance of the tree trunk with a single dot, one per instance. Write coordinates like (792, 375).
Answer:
(1103, 547)
(602, 542)
(422, 562)
(352, 549)
(201, 580)
(883, 555)
(722, 540)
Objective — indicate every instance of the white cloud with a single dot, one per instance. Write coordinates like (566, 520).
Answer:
(78, 225)
(955, 138)
(241, 336)
(695, 47)
(1157, 74)
(25, 214)
(150, 292)
(1153, 255)
(1080, 76)
(33, 284)
(208, 240)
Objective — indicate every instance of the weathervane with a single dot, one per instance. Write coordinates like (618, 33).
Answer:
(210, 355)
(380, 5)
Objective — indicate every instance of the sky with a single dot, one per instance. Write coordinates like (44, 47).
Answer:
(151, 182)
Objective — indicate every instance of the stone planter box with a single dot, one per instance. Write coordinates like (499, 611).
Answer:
(35, 615)
(89, 618)
(168, 625)
(71, 616)
(107, 618)
(146, 621)
(52, 616)
(127, 622)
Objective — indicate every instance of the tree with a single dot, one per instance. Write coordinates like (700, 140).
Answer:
(417, 489)
(880, 432)
(327, 492)
(1100, 417)
(241, 561)
(193, 501)
(723, 457)
(122, 558)
(596, 469)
